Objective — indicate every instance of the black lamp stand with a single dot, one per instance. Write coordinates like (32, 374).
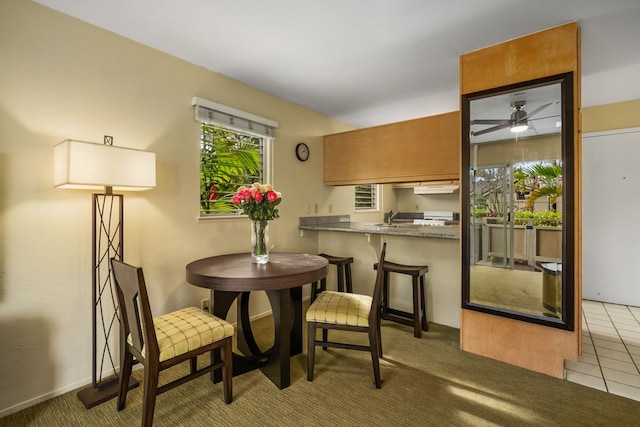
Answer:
(107, 242)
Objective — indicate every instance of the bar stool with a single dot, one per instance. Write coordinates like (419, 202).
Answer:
(419, 307)
(343, 265)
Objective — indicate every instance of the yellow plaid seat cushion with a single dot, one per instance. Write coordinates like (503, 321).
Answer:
(184, 330)
(340, 308)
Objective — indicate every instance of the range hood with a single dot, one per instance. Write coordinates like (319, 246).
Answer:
(436, 189)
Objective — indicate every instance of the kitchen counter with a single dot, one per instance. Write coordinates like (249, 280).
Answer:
(432, 245)
(342, 223)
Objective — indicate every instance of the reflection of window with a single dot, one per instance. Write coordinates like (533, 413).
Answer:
(234, 151)
(366, 196)
(535, 180)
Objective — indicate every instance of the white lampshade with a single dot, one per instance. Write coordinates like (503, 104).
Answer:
(91, 166)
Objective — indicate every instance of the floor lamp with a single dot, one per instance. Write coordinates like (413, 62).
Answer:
(103, 167)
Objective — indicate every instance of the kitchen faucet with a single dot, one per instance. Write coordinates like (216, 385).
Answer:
(391, 215)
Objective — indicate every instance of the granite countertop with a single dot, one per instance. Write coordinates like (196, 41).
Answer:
(342, 223)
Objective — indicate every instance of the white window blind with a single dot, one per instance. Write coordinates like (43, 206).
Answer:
(217, 114)
(366, 197)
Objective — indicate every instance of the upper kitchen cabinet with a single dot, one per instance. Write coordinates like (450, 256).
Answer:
(424, 149)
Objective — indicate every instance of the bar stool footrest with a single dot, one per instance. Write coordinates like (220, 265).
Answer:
(402, 317)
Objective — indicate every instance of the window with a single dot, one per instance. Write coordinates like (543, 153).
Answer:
(366, 196)
(234, 151)
(228, 159)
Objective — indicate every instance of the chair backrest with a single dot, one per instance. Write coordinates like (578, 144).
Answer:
(374, 314)
(135, 312)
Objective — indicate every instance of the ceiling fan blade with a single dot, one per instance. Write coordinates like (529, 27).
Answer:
(536, 111)
(491, 129)
(545, 118)
(489, 122)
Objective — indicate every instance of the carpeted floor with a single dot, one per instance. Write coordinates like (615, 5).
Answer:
(426, 382)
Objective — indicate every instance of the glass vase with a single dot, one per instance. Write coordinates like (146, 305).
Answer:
(260, 242)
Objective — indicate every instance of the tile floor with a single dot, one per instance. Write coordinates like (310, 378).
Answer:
(610, 358)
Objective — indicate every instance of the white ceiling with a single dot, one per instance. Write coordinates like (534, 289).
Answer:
(364, 62)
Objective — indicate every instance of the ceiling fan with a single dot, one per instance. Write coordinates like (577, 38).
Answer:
(518, 122)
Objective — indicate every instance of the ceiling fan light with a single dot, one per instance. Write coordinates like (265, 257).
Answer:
(519, 120)
(517, 128)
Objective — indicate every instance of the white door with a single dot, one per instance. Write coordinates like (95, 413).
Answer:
(611, 216)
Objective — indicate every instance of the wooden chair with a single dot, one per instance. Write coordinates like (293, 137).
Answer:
(165, 341)
(348, 312)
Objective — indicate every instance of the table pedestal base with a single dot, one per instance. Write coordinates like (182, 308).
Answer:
(286, 305)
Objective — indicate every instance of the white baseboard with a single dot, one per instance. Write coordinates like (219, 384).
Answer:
(43, 397)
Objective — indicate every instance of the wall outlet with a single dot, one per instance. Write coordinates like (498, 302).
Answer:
(205, 305)
(330, 208)
(315, 208)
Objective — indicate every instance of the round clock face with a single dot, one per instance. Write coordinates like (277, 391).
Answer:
(302, 151)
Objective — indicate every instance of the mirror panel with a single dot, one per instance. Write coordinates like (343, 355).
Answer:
(517, 198)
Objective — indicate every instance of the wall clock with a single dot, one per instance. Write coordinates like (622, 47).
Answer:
(302, 151)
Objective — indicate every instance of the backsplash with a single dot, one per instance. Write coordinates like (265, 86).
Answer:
(319, 220)
(404, 216)
(410, 216)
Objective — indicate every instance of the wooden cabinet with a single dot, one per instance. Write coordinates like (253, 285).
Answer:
(496, 333)
(422, 149)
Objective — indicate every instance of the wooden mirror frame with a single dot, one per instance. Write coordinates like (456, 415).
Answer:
(566, 321)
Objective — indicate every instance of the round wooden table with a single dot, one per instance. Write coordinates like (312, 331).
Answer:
(234, 276)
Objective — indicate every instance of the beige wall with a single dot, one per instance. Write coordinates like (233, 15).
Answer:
(61, 78)
(618, 115)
